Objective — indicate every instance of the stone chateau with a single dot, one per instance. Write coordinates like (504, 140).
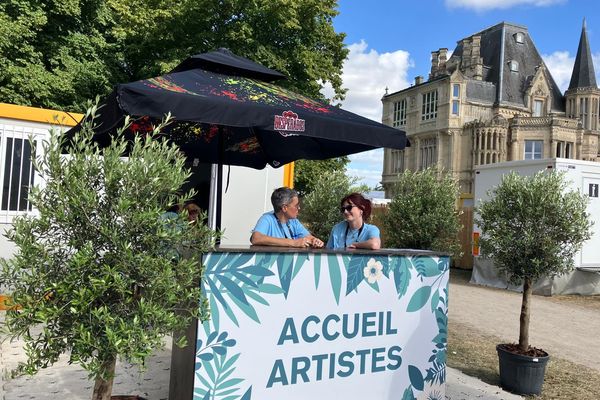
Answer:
(493, 100)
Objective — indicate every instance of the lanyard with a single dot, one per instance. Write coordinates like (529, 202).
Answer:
(357, 236)
(282, 229)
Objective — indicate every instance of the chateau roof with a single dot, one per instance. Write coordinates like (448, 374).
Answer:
(498, 48)
(583, 71)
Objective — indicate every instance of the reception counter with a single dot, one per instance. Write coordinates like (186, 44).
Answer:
(319, 324)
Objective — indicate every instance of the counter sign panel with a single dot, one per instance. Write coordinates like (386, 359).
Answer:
(322, 326)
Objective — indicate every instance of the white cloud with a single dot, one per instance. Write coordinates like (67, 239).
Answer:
(367, 167)
(366, 74)
(368, 157)
(560, 64)
(486, 5)
(368, 177)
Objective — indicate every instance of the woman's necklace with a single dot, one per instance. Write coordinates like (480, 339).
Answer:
(348, 229)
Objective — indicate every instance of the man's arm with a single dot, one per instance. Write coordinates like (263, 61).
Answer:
(259, 239)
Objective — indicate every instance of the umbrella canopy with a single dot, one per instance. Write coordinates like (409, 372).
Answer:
(240, 120)
(223, 61)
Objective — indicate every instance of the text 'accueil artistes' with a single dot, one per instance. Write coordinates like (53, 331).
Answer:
(331, 365)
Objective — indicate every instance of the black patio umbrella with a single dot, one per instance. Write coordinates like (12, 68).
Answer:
(227, 112)
(239, 119)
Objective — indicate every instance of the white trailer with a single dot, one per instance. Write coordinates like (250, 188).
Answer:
(584, 176)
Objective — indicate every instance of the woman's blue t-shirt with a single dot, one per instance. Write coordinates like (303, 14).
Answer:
(343, 236)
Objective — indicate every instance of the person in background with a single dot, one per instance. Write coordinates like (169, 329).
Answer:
(193, 211)
(354, 232)
(281, 227)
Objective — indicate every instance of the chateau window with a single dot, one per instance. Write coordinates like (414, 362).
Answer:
(455, 99)
(429, 106)
(519, 37)
(533, 149)
(399, 113)
(427, 153)
(397, 161)
(513, 65)
(564, 149)
(455, 107)
(456, 90)
(594, 114)
(583, 112)
(17, 174)
(538, 107)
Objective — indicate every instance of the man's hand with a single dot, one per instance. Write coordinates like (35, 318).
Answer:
(301, 242)
(317, 243)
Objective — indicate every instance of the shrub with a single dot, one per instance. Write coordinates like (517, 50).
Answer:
(97, 273)
(422, 213)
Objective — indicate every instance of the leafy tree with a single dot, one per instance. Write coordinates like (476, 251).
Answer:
(308, 173)
(423, 214)
(321, 207)
(532, 227)
(100, 272)
(59, 53)
(294, 37)
(56, 53)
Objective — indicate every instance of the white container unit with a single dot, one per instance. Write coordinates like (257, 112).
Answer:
(583, 176)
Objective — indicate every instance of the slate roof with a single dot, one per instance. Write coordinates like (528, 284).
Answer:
(583, 71)
(498, 48)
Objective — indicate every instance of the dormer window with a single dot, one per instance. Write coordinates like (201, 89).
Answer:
(513, 65)
(519, 37)
(538, 109)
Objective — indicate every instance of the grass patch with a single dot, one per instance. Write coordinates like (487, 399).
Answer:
(474, 353)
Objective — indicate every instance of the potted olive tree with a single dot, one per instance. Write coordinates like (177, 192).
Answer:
(532, 226)
(99, 272)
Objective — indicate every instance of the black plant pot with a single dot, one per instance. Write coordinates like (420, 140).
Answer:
(519, 373)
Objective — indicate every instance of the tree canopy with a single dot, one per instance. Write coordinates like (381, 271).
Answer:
(59, 53)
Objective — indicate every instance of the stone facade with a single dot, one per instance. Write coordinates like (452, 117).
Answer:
(493, 100)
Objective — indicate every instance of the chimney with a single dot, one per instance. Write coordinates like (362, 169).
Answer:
(443, 57)
(466, 54)
(435, 62)
(418, 80)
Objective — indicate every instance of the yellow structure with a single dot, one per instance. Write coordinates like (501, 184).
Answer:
(33, 114)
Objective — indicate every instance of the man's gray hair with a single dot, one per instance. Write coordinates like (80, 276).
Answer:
(282, 196)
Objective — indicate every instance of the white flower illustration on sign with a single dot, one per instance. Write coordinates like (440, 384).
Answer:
(373, 270)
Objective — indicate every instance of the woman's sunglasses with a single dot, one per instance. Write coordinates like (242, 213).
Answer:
(347, 208)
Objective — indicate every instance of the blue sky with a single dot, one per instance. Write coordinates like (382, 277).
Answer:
(390, 43)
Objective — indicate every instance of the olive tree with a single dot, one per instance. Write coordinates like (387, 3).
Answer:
(100, 273)
(423, 213)
(532, 226)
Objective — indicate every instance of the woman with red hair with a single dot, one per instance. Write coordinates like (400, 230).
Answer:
(354, 232)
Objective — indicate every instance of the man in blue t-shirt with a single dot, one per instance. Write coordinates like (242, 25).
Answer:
(281, 227)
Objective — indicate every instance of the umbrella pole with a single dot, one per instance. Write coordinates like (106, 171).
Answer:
(220, 180)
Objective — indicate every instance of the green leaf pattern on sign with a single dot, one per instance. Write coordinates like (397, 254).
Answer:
(214, 369)
(236, 282)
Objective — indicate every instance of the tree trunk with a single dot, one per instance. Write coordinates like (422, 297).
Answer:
(103, 388)
(525, 308)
